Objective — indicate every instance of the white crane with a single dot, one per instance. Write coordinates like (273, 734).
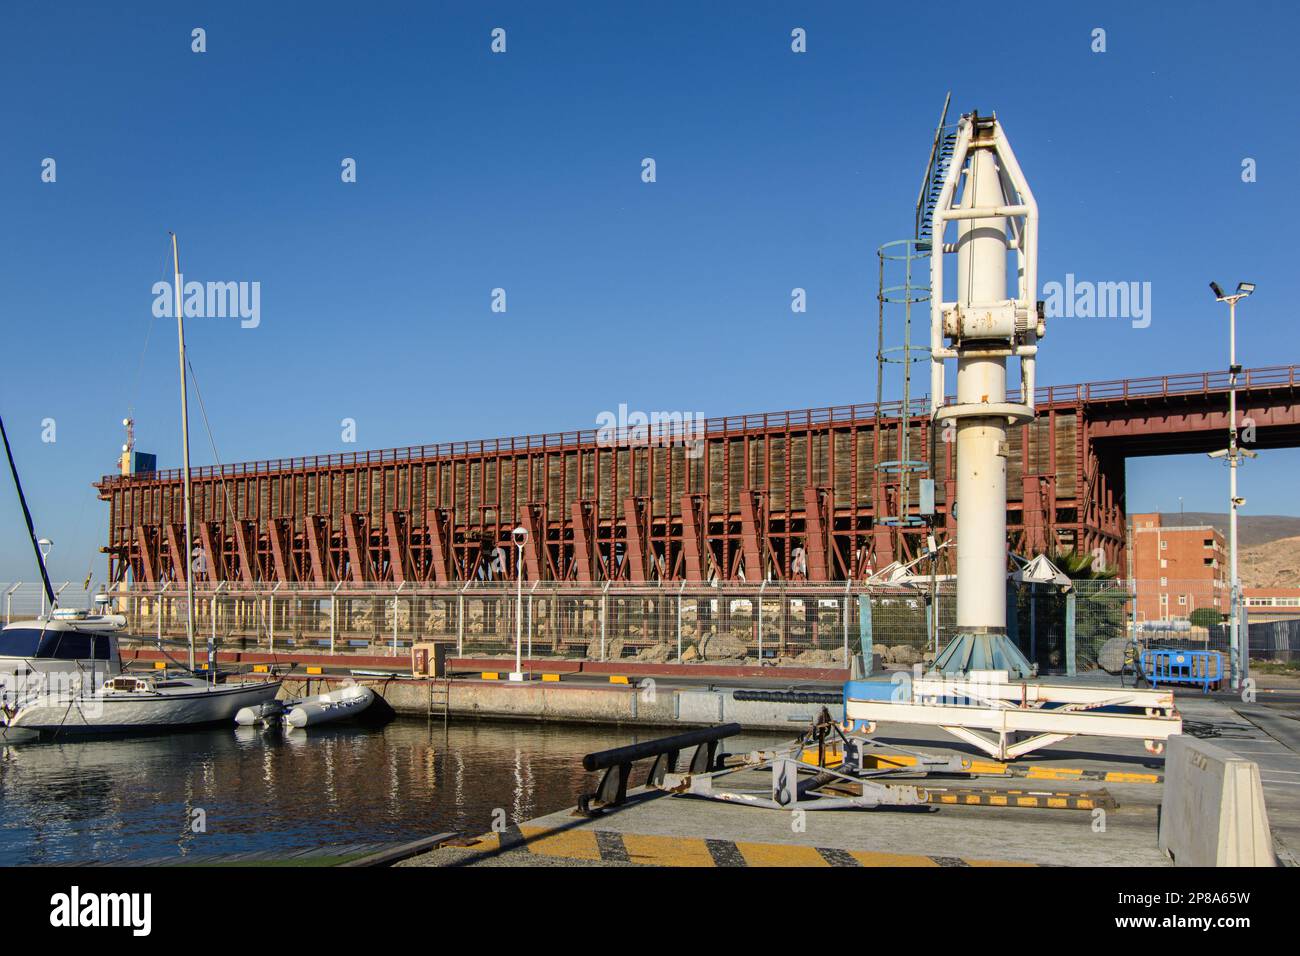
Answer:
(985, 195)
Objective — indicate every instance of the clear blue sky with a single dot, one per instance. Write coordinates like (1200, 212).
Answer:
(522, 171)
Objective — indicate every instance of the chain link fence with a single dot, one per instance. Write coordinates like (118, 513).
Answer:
(779, 624)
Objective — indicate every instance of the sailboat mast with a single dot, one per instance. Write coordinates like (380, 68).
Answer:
(185, 453)
(27, 516)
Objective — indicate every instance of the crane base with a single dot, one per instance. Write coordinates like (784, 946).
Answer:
(983, 652)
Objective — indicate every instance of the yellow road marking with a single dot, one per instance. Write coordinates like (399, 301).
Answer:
(996, 863)
(994, 768)
(656, 850)
(573, 844)
(870, 858)
(780, 854)
(1119, 777)
(666, 851)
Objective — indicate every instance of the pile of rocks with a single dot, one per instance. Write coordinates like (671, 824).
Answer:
(905, 654)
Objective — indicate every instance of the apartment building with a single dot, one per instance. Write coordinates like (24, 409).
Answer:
(1178, 568)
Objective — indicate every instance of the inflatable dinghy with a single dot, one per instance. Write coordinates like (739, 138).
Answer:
(342, 703)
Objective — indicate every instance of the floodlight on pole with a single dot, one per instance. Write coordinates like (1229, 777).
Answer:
(1237, 662)
(520, 537)
(46, 545)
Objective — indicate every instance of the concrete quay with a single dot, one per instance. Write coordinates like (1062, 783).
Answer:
(665, 703)
(1084, 802)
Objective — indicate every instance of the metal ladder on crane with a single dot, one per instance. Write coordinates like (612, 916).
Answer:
(905, 286)
(936, 170)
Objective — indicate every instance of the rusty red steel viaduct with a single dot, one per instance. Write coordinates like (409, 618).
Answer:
(738, 507)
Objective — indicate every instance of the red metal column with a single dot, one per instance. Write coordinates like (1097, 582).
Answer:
(882, 543)
(533, 525)
(1032, 515)
(397, 549)
(814, 535)
(437, 546)
(581, 545)
(358, 548)
(691, 540)
(749, 509)
(277, 548)
(180, 565)
(246, 565)
(634, 556)
(216, 562)
(316, 549)
(148, 561)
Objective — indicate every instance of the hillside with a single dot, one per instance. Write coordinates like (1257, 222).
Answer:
(1274, 564)
(1252, 530)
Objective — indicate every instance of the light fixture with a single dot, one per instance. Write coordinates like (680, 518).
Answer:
(1245, 288)
(1218, 293)
(520, 536)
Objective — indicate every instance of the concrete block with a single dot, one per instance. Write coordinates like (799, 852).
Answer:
(700, 706)
(1212, 812)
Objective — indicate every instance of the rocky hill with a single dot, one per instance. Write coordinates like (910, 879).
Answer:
(1270, 545)
(1275, 564)
(1252, 530)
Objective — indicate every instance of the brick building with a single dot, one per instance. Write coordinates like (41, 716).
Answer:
(1177, 568)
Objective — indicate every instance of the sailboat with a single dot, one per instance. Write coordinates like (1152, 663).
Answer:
(141, 702)
(58, 648)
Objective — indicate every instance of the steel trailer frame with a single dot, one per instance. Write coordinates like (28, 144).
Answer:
(1022, 717)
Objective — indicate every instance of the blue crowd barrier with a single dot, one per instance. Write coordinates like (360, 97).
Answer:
(1202, 669)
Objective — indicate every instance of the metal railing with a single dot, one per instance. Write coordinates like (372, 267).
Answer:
(23, 599)
(1277, 376)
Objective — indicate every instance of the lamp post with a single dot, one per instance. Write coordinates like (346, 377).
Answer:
(45, 545)
(1233, 453)
(520, 536)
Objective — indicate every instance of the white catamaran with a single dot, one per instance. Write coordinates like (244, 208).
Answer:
(91, 693)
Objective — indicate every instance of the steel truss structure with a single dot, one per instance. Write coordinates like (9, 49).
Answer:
(786, 496)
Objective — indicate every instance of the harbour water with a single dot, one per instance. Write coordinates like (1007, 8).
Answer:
(143, 798)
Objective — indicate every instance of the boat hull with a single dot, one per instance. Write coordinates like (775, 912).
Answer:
(111, 712)
(342, 704)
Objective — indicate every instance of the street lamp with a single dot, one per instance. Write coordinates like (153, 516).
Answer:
(45, 544)
(1233, 454)
(520, 536)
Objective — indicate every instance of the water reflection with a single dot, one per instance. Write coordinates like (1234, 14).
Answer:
(134, 799)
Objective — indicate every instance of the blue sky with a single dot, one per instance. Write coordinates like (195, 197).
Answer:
(522, 171)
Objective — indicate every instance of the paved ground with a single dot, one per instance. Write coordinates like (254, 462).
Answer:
(1273, 741)
(1024, 829)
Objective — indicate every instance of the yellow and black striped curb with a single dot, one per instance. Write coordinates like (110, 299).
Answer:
(610, 846)
(1040, 799)
(994, 768)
